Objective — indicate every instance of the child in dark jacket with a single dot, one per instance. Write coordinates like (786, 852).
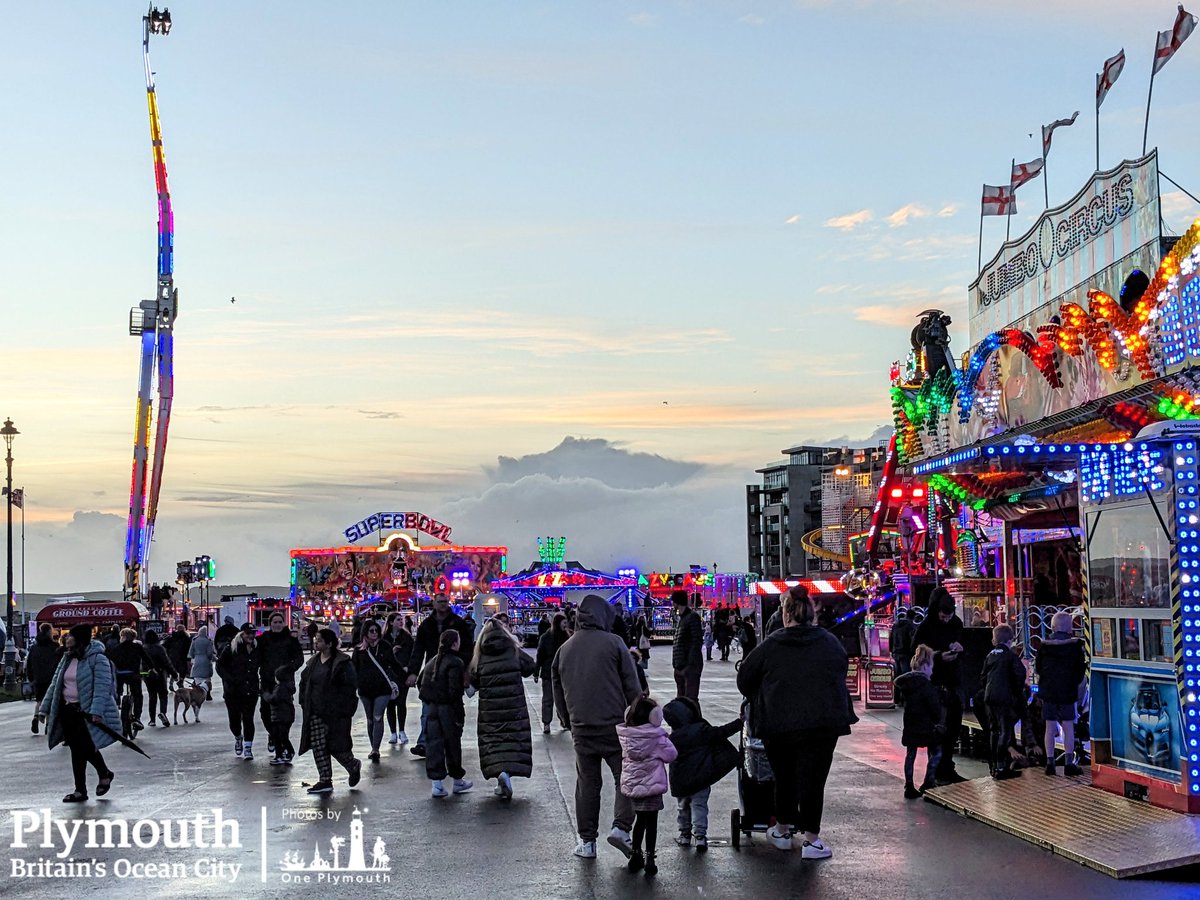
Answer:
(1003, 683)
(283, 714)
(924, 721)
(441, 685)
(705, 757)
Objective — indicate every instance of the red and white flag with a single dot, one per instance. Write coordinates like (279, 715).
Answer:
(999, 201)
(1023, 172)
(1170, 41)
(18, 498)
(1048, 131)
(1106, 79)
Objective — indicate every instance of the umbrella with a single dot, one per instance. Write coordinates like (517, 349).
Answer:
(117, 737)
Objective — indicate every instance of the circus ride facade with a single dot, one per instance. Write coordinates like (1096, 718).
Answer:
(402, 560)
(1061, 461)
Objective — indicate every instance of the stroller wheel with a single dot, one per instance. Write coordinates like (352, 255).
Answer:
(735, 829)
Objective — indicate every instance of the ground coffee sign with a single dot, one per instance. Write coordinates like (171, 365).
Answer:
(408, 521)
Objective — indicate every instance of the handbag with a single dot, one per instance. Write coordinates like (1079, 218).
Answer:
(643, 643)
(395, 688)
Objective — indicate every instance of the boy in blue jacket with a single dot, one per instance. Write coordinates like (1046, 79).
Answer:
(705, 757)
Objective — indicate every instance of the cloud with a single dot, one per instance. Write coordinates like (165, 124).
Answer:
(752, 19)
(903, 306)
(850, 221)
(880, 435)
(948, 210)
(643, 19)
(792, 220)
(380, 414)
(833, 288)
(596, 458)
(910, 211)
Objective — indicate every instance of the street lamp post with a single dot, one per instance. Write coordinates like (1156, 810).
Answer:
(10, 647)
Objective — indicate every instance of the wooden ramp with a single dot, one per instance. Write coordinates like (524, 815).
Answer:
(1068, 816)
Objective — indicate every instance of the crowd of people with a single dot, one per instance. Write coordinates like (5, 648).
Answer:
(590, 665)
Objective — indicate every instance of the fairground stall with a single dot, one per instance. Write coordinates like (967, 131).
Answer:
(64, 614)
(1062, 464)
(542, 587)
(719, 592)
(394, 571)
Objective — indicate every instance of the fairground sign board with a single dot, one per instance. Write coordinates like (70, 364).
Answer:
(408, 521)
(1114, 218)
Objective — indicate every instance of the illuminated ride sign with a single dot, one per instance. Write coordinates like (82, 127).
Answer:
(556, 580)
(410, 521)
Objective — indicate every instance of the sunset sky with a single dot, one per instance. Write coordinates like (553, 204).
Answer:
(459, 234)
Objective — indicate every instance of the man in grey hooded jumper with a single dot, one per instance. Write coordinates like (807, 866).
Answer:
(594, 682)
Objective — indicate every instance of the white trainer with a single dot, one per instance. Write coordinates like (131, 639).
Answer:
(586, 850)
(816, 850)
(781, 839)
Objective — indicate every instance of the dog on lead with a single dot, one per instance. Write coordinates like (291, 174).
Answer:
(190, 697)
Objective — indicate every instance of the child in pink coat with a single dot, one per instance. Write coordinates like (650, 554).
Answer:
(645, 751)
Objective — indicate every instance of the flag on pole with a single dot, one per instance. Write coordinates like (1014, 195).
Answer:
(18, 498)
(1107, 78)
(999, 201)
(1170, 41)
(1023, 172)
(1048, 131)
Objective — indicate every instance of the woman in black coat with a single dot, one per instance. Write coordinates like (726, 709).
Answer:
(374, 670)
(399, 643)
(329, 698)
(547, 647)
(40, 666)
(795, 681)
(238, 668)
(497, 669)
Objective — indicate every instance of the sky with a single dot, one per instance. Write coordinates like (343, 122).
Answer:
(531, 269)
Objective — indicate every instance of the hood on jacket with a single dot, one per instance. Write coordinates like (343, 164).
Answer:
(640, 736)
(681, 712)
(1060, 638)
(910, 679)
(496, 642)
(595, 613)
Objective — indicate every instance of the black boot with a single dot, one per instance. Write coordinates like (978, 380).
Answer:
(636, 862)
(651, 866)
(34, 726)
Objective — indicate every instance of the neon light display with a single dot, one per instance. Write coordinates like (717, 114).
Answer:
(153, 321)
(1187, 623)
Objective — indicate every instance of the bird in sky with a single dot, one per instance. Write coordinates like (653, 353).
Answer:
(233, 299)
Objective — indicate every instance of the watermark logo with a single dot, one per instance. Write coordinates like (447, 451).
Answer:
(339, 860)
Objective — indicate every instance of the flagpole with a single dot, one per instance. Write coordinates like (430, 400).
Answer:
(979, 261)
(1146, 129)
(1013, 192)
(23, 557)
(1045, 180)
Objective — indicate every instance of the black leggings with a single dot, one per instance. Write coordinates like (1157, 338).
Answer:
(241, 716)
(801, 765)
(156, 686)
(397, 710)
(83, 749)
(645, 825)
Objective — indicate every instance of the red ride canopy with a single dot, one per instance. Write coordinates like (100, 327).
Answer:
(94, 613)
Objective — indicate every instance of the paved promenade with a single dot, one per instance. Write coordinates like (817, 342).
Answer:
(883, 846)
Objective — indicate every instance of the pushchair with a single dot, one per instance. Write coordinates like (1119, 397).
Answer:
(756, 785)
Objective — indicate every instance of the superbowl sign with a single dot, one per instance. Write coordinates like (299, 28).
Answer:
(409, 521)
(1115, 216)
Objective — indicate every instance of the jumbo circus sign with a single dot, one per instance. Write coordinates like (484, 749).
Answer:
(1114, 216)
(409, 521)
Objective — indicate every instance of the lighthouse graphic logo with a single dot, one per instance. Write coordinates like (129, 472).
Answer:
(336, 856)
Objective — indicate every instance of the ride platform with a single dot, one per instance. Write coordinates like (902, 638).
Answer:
(1119, 837)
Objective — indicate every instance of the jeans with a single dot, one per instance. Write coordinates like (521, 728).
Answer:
(801, 766)
(687, 682)
(375, 709)
(592, 749)
(547, 701)
(443, 741)
(424, 724)
(241, 716)
(692, 813)
(83, 748)
(933, 754)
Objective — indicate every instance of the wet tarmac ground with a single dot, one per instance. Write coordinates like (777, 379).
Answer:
(408, 844)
